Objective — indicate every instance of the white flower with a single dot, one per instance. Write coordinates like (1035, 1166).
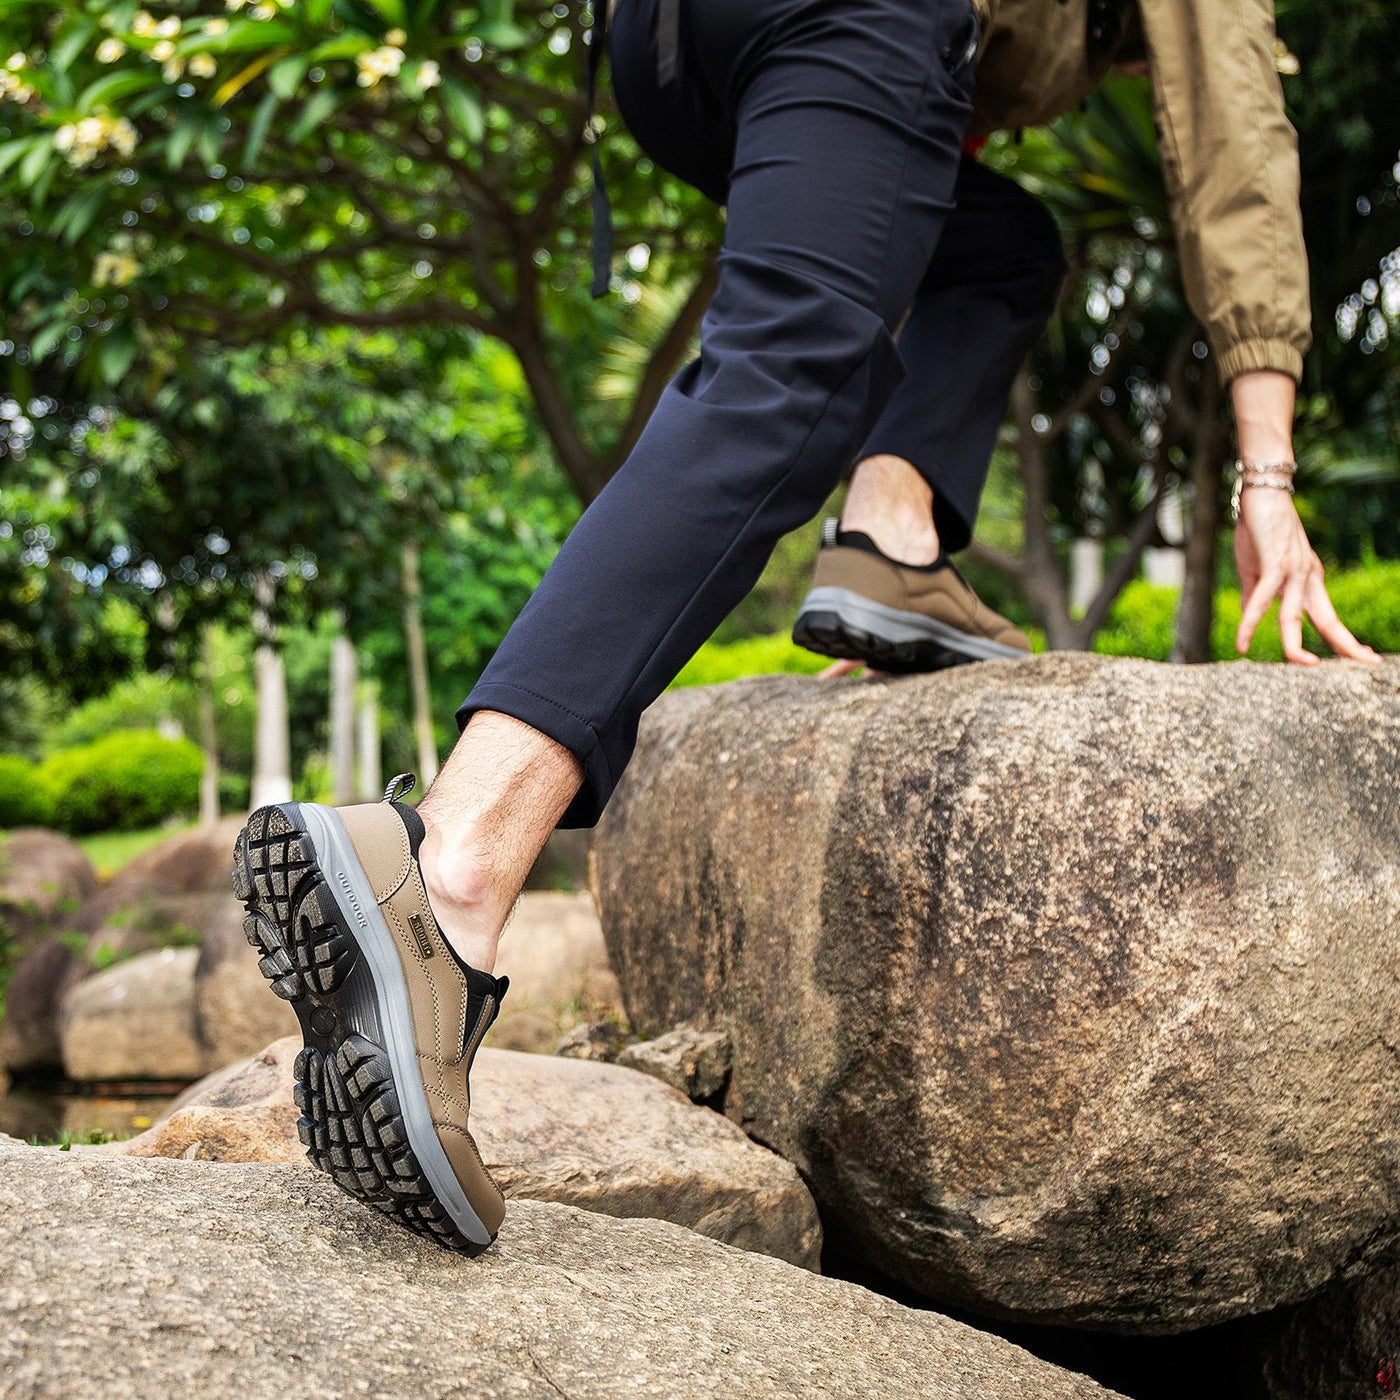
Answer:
(123, 136)
(144, 25)
(84, 141)
(263, 11)
(172, 70)
(13, 87)
(202, 65)
(114, 269)
(16, 61)
(429, 74)
(110, 50)
(169, 27)
(235, 4)
(217, 25)
(162, 50)
(378, 63)
(396, 37)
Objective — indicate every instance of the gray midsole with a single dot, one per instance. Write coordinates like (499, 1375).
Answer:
(895, 625)
(336, 856)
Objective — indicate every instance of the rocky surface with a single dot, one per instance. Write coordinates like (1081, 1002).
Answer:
(692, 1060)
(265, 1281)
(1066, 983)
(554, 954)
(606, 1139)
(136, 1020)
(44, 877)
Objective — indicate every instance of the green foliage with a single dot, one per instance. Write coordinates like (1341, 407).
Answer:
(717, 662)
(26, 799)
(1142, 621)
(122, 782)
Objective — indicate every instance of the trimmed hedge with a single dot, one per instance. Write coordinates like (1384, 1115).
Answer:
(25, 799)
(124, 782)
(753, 656)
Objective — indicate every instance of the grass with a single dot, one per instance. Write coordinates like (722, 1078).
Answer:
(110, 850)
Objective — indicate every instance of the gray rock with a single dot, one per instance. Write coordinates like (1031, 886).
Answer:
(29, 1033)
(238, 1014)
(264, 1282)
(692, 1060)
(600, 1041)
(136, 1020)
(1067, 984)
(43, 876)
(596, 1136)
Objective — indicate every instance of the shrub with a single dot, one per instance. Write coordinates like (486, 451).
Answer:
(123, 782)
(754, 656)
(25, 798)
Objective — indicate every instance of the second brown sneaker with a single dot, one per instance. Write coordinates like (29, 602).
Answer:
(863, 606)
(391, 1017)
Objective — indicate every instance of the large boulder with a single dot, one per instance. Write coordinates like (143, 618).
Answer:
(160, 1280)
(44, 878)
(554, 954)
(1066, 983)
(590, 1135)
(137, 1020)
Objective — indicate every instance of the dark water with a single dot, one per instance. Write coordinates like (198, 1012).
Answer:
(48, 1112)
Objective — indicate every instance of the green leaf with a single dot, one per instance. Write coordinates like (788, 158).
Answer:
(33, 164)
(178, 146)
(67, 49)
(76, 213)
(347, 46)
(11, 151)
(464, 110)
(318, 107)
(315, 12)
(392, 12)
(257, 129)
(503, 35)
(209, 144)
(284, 78)
(116, 354)
(107, 89)
(46, 341)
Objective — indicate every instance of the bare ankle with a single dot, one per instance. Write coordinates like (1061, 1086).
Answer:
(892, 503)
(500, 794)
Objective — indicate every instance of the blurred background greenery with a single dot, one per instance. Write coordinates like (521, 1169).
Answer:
(301, 386)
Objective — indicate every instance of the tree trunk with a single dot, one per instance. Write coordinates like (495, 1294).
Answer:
(343, 673)
(208, 733)
(367, 735)
(418, 668)
(272, 744)
(1196, 611)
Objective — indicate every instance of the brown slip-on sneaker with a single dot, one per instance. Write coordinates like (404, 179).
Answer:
(391, 1017)
(894, 617)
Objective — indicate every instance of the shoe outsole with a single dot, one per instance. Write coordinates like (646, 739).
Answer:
(351, 1123)
(829, 634)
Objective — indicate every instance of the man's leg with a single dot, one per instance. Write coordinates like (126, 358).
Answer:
(884, 593)
(846, 127)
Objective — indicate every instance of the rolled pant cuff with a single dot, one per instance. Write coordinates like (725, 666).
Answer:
(561, 725)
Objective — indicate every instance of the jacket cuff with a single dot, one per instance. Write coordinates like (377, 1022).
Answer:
(1261, 354)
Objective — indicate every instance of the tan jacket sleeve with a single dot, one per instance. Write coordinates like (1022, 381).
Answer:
(1231, 164)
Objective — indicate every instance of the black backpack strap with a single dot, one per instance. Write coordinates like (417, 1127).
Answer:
(602, 210)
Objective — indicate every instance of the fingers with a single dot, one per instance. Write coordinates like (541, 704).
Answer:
(846, 668)
(1255, 606)
(1331, 629)
(1290, 619)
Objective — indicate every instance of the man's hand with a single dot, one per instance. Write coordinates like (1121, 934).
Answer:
(1272, 551)
(1275, 560)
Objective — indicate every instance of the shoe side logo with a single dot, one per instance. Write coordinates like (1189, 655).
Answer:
(350, 895)
(421, 934)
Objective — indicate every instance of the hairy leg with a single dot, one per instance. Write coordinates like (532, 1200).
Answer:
(892, 503)
(499, 795)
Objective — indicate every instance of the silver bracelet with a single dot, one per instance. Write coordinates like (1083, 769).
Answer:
(1276, 475)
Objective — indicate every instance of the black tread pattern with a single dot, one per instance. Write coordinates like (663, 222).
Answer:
(829, 634)
(351, 1123)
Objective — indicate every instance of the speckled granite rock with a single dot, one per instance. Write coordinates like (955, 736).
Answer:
(591, 1135)
(1068, 984)
(265, 1282)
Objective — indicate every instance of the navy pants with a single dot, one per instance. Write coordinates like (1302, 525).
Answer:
(833, 131)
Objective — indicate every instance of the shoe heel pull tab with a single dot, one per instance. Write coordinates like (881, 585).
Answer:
(400, 785)
(829, 528)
